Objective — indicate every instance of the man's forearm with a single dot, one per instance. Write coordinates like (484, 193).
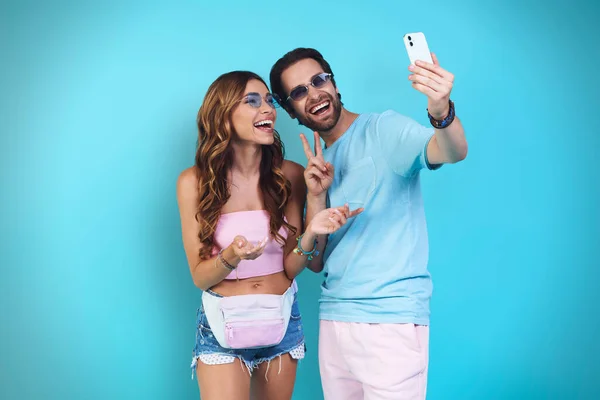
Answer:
(314, 205)
(452, 142)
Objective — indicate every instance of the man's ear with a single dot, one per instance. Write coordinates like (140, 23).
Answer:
(286, 107)
(290, 111)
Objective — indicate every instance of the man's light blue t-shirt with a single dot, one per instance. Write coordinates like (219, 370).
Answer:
(376, 264)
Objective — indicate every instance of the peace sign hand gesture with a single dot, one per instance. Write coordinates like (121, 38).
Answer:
(318, 174)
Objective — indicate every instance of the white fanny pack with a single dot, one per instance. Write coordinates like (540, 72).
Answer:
(249, 321)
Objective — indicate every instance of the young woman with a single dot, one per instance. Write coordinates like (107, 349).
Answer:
(241, 208)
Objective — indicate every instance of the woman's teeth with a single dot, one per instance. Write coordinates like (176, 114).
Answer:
(267, 123)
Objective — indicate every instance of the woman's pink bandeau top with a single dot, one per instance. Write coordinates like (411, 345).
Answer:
(254, 226)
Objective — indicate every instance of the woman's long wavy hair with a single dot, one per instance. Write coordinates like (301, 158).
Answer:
(214, 158)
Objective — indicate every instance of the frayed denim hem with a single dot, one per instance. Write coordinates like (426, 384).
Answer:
(252, 365)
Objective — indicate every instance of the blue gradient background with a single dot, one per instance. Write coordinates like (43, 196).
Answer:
(97, 119)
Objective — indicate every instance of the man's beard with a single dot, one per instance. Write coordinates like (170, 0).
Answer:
(327, 124)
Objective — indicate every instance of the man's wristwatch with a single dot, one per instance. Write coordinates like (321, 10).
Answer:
(446, 121)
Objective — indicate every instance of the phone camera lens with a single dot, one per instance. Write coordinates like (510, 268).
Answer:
(411, 43)
(409, 38)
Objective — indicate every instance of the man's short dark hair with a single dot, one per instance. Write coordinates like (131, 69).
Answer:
(285, 62)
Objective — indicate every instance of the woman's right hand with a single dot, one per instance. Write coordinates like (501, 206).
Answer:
(246, 250)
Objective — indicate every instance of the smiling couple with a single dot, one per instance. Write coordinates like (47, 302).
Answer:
(252, 221)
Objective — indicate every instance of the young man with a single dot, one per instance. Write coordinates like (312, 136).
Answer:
(374, 306)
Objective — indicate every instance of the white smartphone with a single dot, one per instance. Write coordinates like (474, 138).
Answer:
(417, 48)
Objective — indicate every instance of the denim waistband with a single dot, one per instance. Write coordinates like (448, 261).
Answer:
(213, 293)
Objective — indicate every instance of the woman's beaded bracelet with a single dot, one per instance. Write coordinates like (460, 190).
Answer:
(224, 262)
(301, 252)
